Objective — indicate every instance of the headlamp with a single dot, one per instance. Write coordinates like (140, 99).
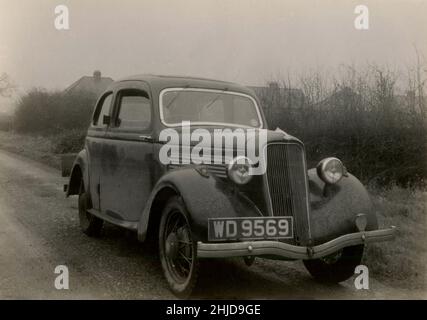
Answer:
(330, 170)
(240, 170)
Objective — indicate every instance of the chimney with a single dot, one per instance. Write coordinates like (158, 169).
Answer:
(97, 75)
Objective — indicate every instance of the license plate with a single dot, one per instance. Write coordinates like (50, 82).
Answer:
(250, 228)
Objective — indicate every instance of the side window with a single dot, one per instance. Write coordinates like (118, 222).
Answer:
(134, 110)
(103, 109)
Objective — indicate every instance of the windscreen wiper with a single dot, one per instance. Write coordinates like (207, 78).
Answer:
(207, 106)
(176, 97)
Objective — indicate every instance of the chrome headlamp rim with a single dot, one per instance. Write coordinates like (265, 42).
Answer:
(233, 162)
(321, 170)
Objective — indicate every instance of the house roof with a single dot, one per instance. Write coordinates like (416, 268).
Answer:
(95, 84)
(340, 98)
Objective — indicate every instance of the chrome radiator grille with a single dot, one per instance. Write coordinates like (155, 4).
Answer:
(286, 179)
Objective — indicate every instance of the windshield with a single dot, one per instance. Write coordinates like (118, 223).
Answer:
(208, 107)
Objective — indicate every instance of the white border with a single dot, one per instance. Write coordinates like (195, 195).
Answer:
(209, 123)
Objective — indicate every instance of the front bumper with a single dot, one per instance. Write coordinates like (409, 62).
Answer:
(276, 248)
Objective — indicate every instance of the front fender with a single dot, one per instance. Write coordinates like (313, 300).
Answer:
(205, 196)
(79, 171)
(334, 207)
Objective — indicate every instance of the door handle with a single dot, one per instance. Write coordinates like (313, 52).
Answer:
(146, 138)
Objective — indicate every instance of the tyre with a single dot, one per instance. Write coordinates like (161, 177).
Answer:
(337, 267)
(89, 224)
(177, 250)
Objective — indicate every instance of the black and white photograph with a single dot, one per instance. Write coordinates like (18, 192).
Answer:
(213, 150)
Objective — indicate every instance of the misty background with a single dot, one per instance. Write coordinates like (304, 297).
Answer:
(245, 41)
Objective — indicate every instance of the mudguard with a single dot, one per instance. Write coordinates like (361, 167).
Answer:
(79, 170)
(205, 196)
(334, 207)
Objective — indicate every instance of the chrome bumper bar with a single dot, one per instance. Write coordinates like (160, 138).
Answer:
(276, 248)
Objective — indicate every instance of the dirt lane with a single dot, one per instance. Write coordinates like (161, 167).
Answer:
(39, 230)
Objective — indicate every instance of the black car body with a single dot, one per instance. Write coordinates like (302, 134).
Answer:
(120, 179)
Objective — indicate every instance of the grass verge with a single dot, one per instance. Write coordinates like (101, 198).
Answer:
(39, 148)
(402, 262)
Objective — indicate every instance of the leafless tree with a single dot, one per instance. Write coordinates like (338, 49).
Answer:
(6, 86)
(420, 84)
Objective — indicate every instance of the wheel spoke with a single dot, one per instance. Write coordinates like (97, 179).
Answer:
(189, 260)
(175, 226)
(171, 225)
(184, 269)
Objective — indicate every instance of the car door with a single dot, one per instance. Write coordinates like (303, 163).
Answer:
(94, 144)
(127, 184)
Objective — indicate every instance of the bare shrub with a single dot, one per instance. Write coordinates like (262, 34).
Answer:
(6, 86)
(69, 141)
(360, 117)
(43, 112)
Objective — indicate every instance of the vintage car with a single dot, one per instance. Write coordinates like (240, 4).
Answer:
(196, 207)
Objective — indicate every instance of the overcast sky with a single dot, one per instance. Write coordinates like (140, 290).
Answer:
(246, 41)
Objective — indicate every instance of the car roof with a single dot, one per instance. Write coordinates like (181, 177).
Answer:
(160, 82)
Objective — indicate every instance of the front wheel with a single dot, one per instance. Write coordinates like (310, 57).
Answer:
(177, 249)
(337, 267)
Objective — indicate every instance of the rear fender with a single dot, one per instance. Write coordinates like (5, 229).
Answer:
(79, 171)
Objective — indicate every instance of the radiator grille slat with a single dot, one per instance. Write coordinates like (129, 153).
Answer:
(287, 186)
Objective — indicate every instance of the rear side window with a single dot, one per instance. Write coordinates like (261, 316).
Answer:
(103, 109)
(134, 110)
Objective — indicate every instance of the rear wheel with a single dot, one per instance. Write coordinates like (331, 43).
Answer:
(337, 267)
(177, 249)
(89, 224)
